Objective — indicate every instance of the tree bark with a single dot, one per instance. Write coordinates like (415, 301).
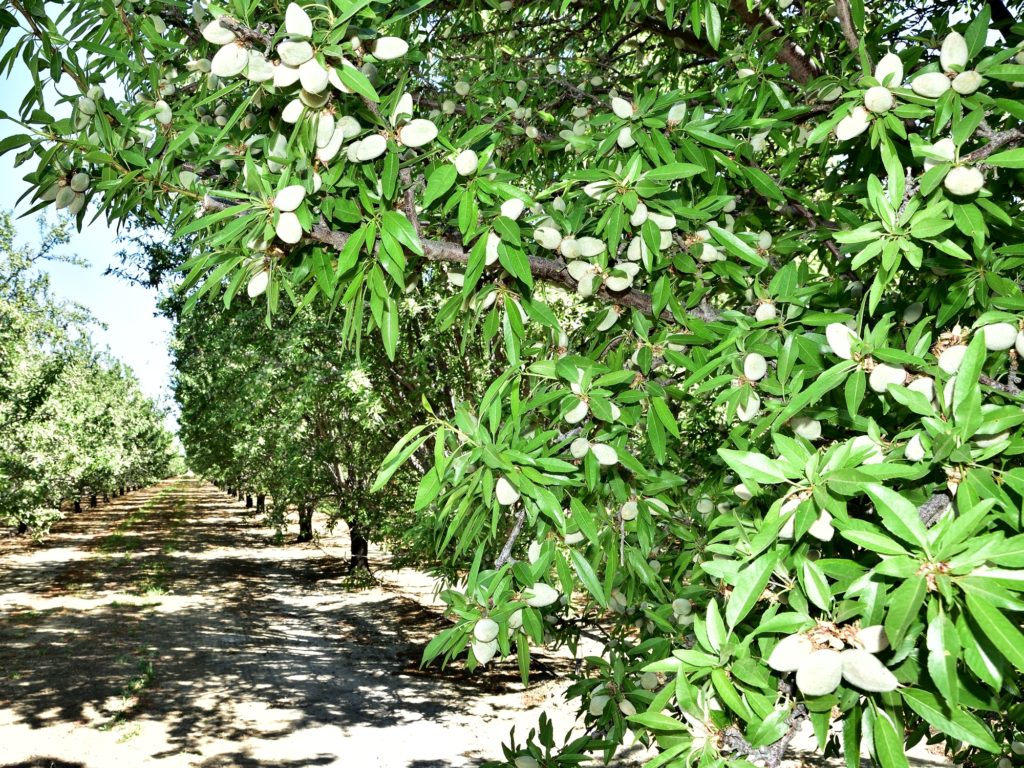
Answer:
(306, 523)
(231, 491)
(106, 497)
(78, 507)
(92, 500)
(248, 501)
(360, 549)
(22, 527)
(261, 502)
(238, 496)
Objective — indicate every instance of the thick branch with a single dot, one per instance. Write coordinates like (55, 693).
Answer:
(846, 24)
(799, 64)
(998, 141)
(770, 756)
(549, 270)
(1002, 19)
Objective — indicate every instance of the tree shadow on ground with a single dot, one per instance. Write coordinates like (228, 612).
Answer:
(202, 625)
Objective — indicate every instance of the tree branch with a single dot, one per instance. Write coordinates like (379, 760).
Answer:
(506, 551)
(549, 270)
(1009, 388)
(246, 34)
(770, 756)
(846, 24)
(998, 141)
(799, 64)
(1002, 19)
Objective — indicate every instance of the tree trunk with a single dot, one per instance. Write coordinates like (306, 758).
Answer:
(122, 490)
(306, 523)
(248, 501)
(360, 549)
(78, 507)
(106, 497)
(231, 491)
(240, 494)
(261, 503)
(92, 500)
(22, 527)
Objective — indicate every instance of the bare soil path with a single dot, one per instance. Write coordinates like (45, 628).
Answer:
(167, 628)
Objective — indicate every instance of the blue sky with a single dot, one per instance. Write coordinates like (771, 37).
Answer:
(132, 332)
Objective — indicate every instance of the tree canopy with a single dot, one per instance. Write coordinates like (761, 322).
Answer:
(73, 421)
(748, 280)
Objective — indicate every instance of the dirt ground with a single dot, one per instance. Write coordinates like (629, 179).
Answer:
(168, 628)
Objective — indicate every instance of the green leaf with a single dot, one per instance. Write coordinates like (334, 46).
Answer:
(823, 384)
(441, 180)
(656, 721)
(899, 515)
(729, 695)
(734, 245)
(1007, 639)
(403, 449)
(755, 466)
(749, 588)
(673, 172)
(815, 585)
(889, 747)
(357, 81)
(769, 730)
(399, 227)
(904, 605)
(856, 386)
(943, 652)
(959, 725)
(1010, 158)
(966, 392)
(589, 578)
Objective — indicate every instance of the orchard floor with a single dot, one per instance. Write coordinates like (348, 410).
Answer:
(168, 628)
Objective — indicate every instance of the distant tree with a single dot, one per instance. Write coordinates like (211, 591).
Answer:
(73, 421)
(285, 409)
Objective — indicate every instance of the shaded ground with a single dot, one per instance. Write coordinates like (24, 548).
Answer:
(167, 629)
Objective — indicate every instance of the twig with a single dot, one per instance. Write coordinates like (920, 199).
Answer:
(1009, 388)
(506, 551)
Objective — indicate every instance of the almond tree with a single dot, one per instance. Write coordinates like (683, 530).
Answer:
(791, 229)
(287, 411)
(73, 421)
